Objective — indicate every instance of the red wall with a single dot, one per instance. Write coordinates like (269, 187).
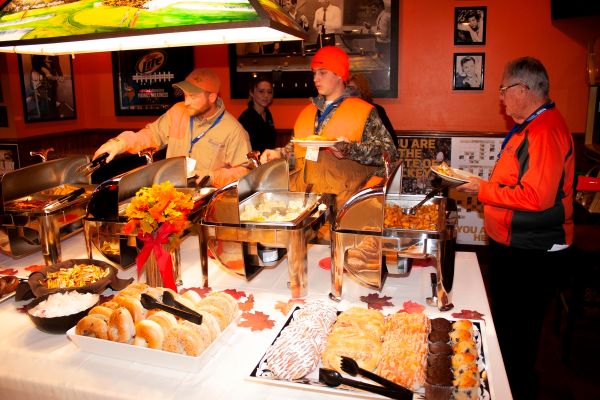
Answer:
(425, 98)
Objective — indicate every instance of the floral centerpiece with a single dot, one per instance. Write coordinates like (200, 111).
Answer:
(159, 214)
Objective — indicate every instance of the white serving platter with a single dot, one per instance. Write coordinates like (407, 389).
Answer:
(459, 175)
(315, 143)
(144, 355)
(261, 373)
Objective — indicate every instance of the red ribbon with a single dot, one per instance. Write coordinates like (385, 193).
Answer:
(154, 242)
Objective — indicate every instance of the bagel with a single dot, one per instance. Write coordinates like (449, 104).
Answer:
(92, 326)
(141, 286)
(201, 330)
(183, 340)
(131, 292)
(154, 292)
(216, 312)
(148, 334)
(229, 298)
(111, 304)
(164, 319)
(211, 323)
(185, 301)
(192, 295)
(220, 303)
(107, 312)
(133, 305)
(120, 326)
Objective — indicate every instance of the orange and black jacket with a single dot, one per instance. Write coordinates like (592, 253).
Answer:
(528, 200)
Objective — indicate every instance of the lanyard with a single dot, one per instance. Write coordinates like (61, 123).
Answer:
(321, 115)
(519, 127)
(201, 135)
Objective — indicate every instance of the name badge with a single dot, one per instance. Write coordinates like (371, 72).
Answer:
(312, 153)
(190, 165)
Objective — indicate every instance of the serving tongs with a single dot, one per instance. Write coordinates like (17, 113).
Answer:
(350, 366)
(333, 378)
(149, 303)
(64, 199)
(413, 210)
(89, 168)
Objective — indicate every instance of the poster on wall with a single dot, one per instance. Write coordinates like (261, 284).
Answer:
(478, 156)
(9, 157)
(418, 154)
(143, 79)
(47, 87)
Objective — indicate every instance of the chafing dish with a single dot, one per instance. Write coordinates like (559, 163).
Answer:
(245, 243)
(40, 205)
(364, 246)
(105, 219)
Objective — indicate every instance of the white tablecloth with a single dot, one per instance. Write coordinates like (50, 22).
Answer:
(37, 365)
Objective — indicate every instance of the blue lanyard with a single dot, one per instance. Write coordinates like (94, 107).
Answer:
(519, 127)
(201, 135)
(321, 115)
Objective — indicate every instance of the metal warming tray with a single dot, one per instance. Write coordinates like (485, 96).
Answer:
(105, 220)
(40, 205)
(245, 245)
(368, 246)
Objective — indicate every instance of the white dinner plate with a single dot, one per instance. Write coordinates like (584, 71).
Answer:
(458, 175)
(315, 143)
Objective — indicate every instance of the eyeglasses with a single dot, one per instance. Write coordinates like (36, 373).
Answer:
(503, 89)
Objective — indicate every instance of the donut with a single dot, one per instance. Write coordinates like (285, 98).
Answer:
(101, 310)
(111, 304)
(164, 319)
(216, 312)
(133, 305)
(92, 326)
(120, 326)
(192, 295)
(148, 334)
(183, 340)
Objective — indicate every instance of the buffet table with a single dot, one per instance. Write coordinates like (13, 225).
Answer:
(38, 365)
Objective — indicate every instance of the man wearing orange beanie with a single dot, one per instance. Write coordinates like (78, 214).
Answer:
(345, 167)
(199, 128)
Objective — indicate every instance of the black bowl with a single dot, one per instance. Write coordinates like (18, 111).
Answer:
(56, 324)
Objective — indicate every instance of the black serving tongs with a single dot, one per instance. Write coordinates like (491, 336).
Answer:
(64, 199)
(333, 378)
(350, 366)
(89, 168)
(149, 302)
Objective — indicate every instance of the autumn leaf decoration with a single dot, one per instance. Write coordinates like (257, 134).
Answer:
(256, 321)
(411, 307)
(285, 307)
(8, 271)
(468, 314)
(377, 302)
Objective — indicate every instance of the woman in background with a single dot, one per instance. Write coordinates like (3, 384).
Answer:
(358, 86)
(257, 118)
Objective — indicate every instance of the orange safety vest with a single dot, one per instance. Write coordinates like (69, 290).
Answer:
(329, 174)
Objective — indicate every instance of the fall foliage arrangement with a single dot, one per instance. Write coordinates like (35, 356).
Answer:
(160, 215)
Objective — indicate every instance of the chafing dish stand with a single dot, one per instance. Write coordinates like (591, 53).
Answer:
(33, 215)
(362, 245)
(105, 220)
(246, 247)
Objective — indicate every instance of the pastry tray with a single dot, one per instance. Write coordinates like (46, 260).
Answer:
(261, 374)
(144, 355)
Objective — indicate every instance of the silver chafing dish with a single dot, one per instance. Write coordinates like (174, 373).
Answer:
(364, 246)
(246, 229)
(42, 204)
(105, 220)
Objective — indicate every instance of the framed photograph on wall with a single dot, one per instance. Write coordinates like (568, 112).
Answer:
(362, 28)
(469, 25)
(143, 79)
(47, 87)
(9, 157)
(468, 71)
